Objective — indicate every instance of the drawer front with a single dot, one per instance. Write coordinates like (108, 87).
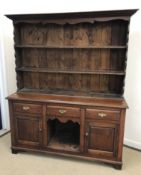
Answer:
(63, 111)
(101, 114)
(27, 108)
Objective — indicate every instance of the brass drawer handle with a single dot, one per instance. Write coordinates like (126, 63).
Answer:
(101, 114)
(26, 108)
(62, 111)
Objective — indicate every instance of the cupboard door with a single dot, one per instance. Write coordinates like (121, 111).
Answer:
(28, 130)
(101, 139)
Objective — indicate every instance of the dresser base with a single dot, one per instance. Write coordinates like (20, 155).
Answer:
(116, 164)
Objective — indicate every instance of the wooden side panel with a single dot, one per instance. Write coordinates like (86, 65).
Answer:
(12, 123)
(17, 33)
(20, 82)
(121, 134)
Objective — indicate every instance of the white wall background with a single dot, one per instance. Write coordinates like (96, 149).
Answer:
(133, 76)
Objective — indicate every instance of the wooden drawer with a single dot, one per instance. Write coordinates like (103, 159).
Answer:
(27, 108)
(63, 111)
(101, 114)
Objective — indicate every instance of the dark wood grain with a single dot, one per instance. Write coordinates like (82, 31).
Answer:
(121, 134)
(108, 114)
(27, 108)
(69, 71)
(63, 111)
(72, 52)
(71, 47)
(64, 99)
(74, 15)
(96, 133)
(27, 130)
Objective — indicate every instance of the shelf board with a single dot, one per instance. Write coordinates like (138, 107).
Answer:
(70, 92)
(45, 70)
(57, 143)
(72, 47)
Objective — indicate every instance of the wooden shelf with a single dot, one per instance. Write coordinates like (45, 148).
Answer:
(70, 92)
(55, 144)
(72, 47)
(84, 57)
(71, 72)
(101, 72)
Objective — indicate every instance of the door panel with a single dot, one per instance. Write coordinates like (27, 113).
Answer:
(99, 135)
(28, 130)
(101, 138)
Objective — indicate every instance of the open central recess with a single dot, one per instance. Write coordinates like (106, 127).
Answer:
(63, 136)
